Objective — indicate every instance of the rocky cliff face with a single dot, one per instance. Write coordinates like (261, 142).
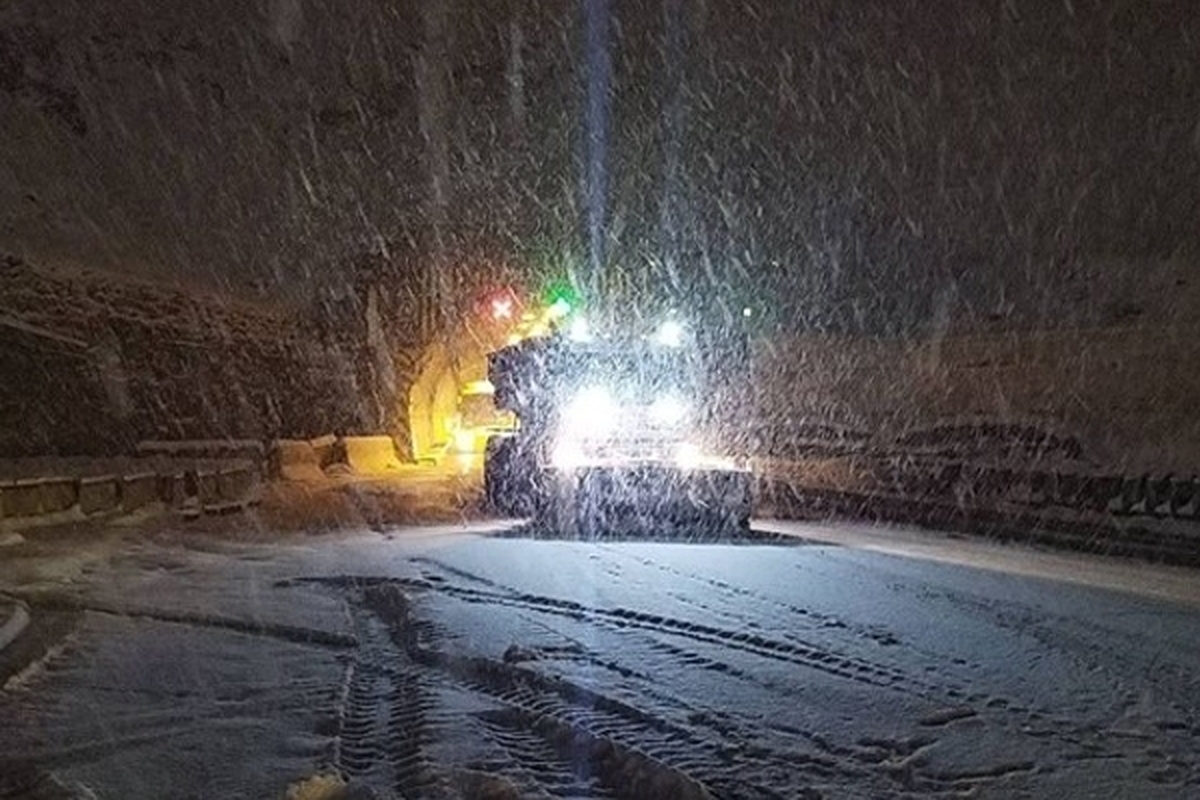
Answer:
(92, 364)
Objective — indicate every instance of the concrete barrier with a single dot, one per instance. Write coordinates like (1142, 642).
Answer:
(175, 487)
(233, 489)
(911, 479)
(325, 448)
(139, 490)
(1005, 479)
(220, 485)
(1184, 497)
(1133, 495)
(23, 498)
(296, 460)
(1101, 492)
(236, 484)
(994, 483)
(1158, 495)
(1041, 488)
(1070, 488)
(944, 478)
(32, 497)
(208, 486)
(968, 487)
(14, 619)
(886, 476)
(58, 495)
(371, 455)
(98, 495)
(1130, 492)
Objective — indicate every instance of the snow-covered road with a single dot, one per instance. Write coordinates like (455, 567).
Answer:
(417, 661)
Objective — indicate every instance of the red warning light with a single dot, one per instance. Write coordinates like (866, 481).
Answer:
(499, 305)
(502, 307)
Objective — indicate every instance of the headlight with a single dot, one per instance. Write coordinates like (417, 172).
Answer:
(591, 410)
(668, 409)
(567, 454)
(670, 334)
(687, 455)
(579, 330)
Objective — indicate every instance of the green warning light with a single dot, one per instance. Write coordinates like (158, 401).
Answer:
(561, 300)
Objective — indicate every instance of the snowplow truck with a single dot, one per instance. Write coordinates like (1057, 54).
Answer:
(616, 435)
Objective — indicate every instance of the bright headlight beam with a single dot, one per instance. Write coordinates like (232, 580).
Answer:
(567, 454)
(668, 410)
(579, 330)
(591, 409)
(590, 412)
(687, 455)
(670, 334)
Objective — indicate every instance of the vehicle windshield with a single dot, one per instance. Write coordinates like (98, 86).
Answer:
(616, 399)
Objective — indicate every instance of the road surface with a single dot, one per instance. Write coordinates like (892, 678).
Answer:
(474, 661)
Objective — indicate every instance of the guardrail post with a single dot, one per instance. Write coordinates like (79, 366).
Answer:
(1135, 495)
(1041, 489)
(1069, 486)
(1184, 497)
(1158, 496)
(1097, 492)
(1053, 489)
(173, 488)
(208, 486)
(889, 476)
(1006, 482)
(943, 479)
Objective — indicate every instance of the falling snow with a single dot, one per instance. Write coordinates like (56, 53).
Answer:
(249, 249)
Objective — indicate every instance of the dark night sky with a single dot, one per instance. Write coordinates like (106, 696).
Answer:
(864, 160)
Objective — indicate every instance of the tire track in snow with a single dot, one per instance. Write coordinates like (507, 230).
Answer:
(541, 716)
(796, 652)
(533, 761)
(719, 753)
(815, 620)
(382, 728)
(563, 713)
(1112, 660)
(386, 721)
(890, 764)
(287, 633)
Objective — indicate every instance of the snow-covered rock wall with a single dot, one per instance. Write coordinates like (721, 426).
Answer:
(1126, 393)
(93, 364)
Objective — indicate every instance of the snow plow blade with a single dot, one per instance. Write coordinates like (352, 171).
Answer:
(650, 499)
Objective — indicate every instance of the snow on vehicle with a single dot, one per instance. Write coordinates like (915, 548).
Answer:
(615, 433)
